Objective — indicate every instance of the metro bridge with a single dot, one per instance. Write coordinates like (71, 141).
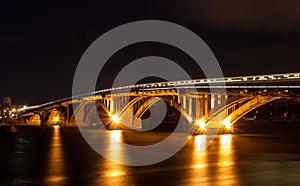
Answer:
(126, 106)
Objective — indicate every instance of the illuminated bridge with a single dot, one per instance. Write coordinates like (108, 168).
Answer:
(127, 106)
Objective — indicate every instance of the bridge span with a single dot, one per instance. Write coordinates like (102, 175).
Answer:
(128, 106)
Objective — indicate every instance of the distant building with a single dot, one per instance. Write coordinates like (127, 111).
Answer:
(7, 110)
(7, 101)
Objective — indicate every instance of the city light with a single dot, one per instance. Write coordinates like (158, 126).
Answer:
(226, 123)
(115, 118)
(56, 119)
(201, 123)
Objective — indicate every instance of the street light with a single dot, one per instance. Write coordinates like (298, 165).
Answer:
(115, 118)
(56, 119)
(201, 123)
(226, 123)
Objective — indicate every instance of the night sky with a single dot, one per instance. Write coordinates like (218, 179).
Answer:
(41, 43)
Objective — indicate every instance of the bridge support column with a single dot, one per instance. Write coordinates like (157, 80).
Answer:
(184, 102)
(219, 101)
(197, 108)
(214, 100)
(68, 115)
(44, 118)
(178, 99)
(190, 106)
(105, 102)
(207, 104)
(224, 99)
(201, 106)
(111, 109)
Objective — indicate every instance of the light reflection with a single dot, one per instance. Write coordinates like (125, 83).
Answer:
(199, 160)
(56, 165)
(114, 144)
(114, 173)
(226, 167)
(200, 143)
(56, 126)
(107, 168)
(226, 141)
(225, 151)
(116, 135)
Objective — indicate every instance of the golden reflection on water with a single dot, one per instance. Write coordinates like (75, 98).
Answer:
(56, 165)
(200, 143)
(112, 173)
(114, 146)
(214, 164)
(226, 172)
(199, 160)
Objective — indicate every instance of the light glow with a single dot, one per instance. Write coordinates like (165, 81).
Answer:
(226, 141)
(201, 124)
(56, 119)
(116, 135)
(226, 123)
(115, 118)
(56, 126)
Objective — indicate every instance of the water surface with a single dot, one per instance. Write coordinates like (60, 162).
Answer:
(57, 156)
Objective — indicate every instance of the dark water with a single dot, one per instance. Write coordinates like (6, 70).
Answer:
(57, 156)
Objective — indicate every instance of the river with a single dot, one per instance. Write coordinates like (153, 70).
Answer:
(58, 156)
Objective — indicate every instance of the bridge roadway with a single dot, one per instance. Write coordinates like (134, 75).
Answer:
(231, 99)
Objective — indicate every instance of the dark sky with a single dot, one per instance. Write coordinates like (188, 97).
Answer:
(41, 43)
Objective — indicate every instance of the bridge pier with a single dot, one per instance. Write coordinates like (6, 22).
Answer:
(44, 117)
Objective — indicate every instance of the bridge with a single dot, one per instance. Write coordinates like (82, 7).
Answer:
(128, 106)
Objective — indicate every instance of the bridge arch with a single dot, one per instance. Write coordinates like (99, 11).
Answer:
(79, 113)
(248, 107)
(95, 110)
(55, 117)
(35, 119)
(130, 104)
(152, 100)
(229, 115)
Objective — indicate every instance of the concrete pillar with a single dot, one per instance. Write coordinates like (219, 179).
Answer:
(184, 102)
(219, 99)
(44, 118)
(197, 108)
(207, 104)
(67, 119)
(201, 106)
(108, 104)
(224, 99)
(104, 102)
(212, 101)
(190, 106)
(116, 104)
(111, 106)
